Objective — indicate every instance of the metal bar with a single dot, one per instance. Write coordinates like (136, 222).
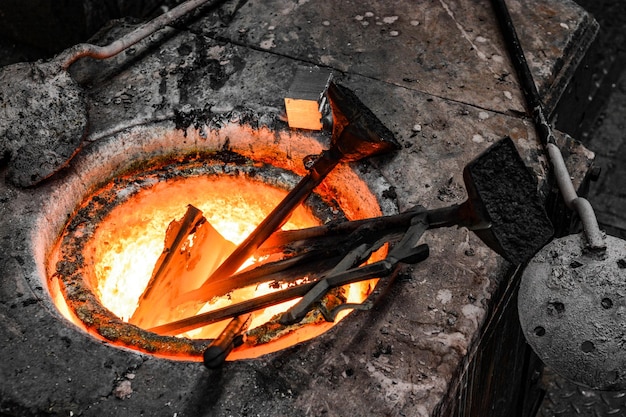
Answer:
(324, 164)
(282, 271)
(418, 226)
(258, 303)
(374, 228)
(582, 207)
(217, 352)
(404, 250)
(81, 50)
(377, 269)
(298, 311)
(308, 262)
(357, 134)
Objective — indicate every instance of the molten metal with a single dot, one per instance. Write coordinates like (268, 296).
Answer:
(110, 247)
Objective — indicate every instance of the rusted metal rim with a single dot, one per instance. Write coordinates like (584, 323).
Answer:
(139, 148)
(74, 270)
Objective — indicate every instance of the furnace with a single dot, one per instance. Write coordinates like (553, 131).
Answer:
(110, 246)
(442, 339)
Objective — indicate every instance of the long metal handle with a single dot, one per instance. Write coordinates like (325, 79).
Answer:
(378, 226)
(375, 270)
(71, 55)
(217, 352)
(324, 164)
(298, 311)
(582, 207)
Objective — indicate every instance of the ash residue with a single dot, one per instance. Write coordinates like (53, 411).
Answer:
(198, 118)
(508, 191)
(186, 117)
(208, 62)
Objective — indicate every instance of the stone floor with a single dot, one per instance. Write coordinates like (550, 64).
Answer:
(605, 134)
(607, 198)
(609, 142)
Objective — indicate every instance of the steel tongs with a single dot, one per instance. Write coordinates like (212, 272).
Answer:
(406, 251)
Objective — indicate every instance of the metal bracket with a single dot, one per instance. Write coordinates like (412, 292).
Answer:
(331, 315)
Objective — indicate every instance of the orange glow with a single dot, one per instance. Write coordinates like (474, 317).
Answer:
(128, 241)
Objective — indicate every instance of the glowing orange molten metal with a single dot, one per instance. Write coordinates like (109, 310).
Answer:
(127, 243)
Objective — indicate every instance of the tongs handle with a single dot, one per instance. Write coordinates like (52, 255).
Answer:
(582, 207)
(377, 269)
(405, 251)
(215, 354)
(298, 311)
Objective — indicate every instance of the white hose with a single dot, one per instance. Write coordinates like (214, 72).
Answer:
(573, 201)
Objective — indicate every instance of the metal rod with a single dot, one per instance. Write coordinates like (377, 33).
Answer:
(281, 271)
(377, 269)
(368, 230)
(298, 311)
(217, 352)
(357, 134)
(582, 207)
(81, 50)
(376, 226)
(324, 164)
(306, 263)
(258, 303)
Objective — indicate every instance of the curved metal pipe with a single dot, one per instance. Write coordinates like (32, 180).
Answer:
(580, 205)
(71, 55)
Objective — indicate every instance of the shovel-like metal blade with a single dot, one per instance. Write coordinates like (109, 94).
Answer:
(571, 308)
(357, 132)
(503, 192)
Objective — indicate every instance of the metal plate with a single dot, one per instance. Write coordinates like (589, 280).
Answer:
(572, 308)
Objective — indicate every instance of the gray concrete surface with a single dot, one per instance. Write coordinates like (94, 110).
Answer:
(608, 194)
(604, 133)
(399, 359)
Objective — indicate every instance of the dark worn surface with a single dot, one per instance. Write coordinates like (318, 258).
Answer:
(507, 191)
(415, 45)
(47, 27)
(608, 141)
(43, 122)
(487, 389)
(408, 354)
(571, 307)
(602, 131)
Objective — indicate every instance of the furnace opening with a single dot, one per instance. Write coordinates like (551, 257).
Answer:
(109, 248)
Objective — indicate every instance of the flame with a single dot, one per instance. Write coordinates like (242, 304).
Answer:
(128, 242)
